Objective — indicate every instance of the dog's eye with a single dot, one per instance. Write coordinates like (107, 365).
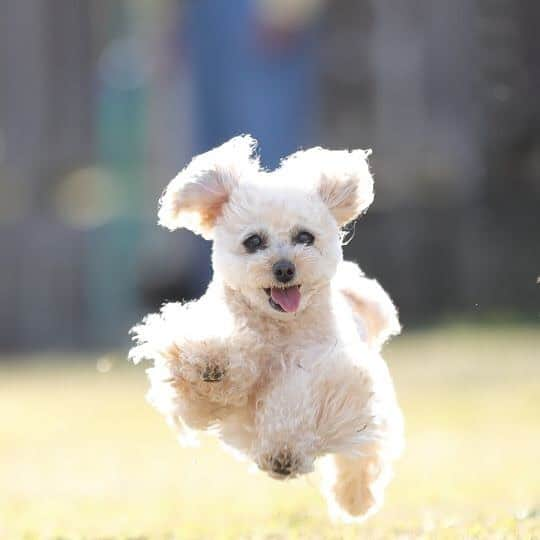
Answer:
(304, 237)
(253, 243)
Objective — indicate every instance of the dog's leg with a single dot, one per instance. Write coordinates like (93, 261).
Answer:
(374, 312)
(332, 407)
(285, 439)
(360, 469)
(212, 370)
(203, 370)
(355, 485)
(306, 412)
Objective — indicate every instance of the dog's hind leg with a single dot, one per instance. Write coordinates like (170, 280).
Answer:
(375, 314)
(355, 485)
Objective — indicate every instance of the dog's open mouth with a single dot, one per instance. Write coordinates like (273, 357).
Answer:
(285, 299)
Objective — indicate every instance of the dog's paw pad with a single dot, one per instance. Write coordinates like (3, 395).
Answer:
(213, 373)
(282, 463)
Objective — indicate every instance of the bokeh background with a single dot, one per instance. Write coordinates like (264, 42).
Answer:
(101, 103)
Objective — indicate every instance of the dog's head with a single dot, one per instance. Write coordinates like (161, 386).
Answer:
(276, 234)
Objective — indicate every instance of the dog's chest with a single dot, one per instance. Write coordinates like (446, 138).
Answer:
(278, 346)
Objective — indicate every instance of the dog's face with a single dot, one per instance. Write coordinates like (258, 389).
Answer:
(276, 235)
(276, 245)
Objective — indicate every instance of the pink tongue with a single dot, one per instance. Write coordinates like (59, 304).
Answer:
(288, 299)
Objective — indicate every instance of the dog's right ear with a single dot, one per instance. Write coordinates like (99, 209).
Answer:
(195, 197)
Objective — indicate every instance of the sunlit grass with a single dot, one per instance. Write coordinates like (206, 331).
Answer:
(83, 456)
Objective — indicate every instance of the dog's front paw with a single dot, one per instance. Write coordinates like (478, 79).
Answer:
(209, 370)
(203, 362)
(285, 463)
(213, 372)
(204, 371)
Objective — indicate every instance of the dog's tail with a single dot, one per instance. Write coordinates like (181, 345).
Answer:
(374, 312)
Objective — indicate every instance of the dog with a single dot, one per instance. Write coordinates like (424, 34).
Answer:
(281, 356)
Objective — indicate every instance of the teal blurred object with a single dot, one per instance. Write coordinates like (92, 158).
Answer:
(112, 254)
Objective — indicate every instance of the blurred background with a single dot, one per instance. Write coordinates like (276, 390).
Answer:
(101, 103)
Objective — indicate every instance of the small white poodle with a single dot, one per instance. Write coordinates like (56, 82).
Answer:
(280, 357)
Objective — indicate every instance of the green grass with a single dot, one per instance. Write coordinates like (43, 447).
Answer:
(83, 456)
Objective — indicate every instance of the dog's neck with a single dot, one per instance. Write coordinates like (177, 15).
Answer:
(316, 314)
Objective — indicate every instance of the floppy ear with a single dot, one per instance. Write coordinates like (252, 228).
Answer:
(341, 178)
(195, 197)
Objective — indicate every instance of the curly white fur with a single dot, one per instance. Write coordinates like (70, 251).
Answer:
(280, 387)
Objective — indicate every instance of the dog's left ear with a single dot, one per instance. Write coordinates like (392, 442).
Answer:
(195, 198)
(342, 179)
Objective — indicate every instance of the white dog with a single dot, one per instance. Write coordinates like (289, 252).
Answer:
(280, 357)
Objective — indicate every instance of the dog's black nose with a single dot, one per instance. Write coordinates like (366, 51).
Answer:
(283, 270)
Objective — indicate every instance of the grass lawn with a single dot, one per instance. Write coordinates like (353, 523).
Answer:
(83, 456)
